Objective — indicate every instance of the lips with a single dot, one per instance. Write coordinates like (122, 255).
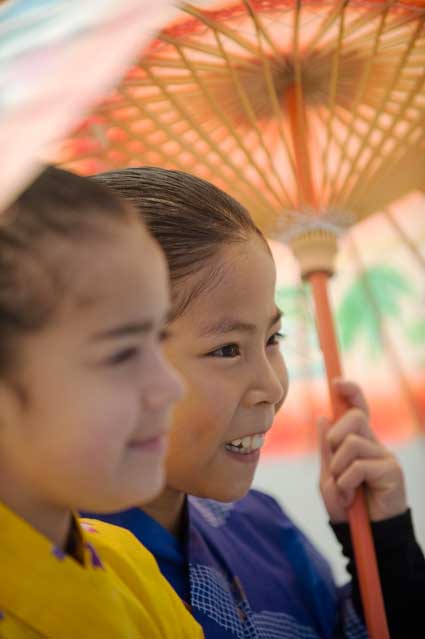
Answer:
(156, 439)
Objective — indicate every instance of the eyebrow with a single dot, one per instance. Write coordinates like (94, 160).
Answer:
(230, 325)
(125, 330)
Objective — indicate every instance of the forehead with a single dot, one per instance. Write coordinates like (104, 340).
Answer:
(244, 288)
(124, 269)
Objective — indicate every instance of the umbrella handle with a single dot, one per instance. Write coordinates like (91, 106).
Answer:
(358, 516)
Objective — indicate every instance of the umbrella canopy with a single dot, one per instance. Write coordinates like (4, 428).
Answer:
(45, 50)
(219, 90)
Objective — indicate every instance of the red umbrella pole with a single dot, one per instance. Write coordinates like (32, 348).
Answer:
(364, 551)
(310, 254)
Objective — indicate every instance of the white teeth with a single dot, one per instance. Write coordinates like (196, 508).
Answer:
(246, 442)
(246, 445)
(257, 441)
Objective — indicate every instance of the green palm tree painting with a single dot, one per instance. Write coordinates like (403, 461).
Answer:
(376, 295)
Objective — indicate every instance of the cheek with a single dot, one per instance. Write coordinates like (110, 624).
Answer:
(98, 427)
(198, 428)
(282, 374)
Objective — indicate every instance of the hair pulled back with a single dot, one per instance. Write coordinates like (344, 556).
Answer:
(190, 218)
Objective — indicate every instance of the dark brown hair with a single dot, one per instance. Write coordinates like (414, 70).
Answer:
(58, 207)
(189, 217)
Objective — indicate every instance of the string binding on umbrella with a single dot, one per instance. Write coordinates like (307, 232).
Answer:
(314, 239)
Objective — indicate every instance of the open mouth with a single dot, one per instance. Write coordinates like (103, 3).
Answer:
(246, 445)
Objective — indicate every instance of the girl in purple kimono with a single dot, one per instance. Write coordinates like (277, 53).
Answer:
(232, 553)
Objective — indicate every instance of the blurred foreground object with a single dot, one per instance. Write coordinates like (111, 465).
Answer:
(56, 59)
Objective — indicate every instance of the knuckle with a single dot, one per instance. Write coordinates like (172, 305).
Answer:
(359, 416)
(357, 466)
(353, 440)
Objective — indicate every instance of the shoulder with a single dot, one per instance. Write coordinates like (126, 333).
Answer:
(256, 509)
(256, 519)
(138, 569)
(117, 546)
(262, 503)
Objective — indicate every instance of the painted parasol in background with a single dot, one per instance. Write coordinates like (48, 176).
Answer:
(56, 59)
(378, 298)
(312, 114)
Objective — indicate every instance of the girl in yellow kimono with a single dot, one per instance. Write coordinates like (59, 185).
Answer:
(84, 402)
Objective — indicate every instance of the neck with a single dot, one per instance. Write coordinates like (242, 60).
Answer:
(168, 510)
(51, 521)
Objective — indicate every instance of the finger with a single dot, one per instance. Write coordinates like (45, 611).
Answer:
(323, 426)
(361, 471)
(353, 421)
(351, 394)
(352, 448)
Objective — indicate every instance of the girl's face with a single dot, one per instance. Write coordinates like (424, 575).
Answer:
(87, 429)
(226, 347)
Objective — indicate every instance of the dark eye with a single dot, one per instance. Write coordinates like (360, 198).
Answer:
(164, 335)
(276, 338)
(230, 350)
(123, 356)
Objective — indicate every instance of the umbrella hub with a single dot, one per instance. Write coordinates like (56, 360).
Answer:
(315, 250)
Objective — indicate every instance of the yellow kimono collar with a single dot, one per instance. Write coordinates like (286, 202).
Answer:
(52, 594)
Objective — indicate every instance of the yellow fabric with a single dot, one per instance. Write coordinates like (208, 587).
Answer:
(118, 592)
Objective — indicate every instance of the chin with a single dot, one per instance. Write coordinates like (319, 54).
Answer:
(140, 493)
(150, 491)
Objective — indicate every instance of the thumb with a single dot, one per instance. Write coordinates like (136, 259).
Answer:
(351, 394)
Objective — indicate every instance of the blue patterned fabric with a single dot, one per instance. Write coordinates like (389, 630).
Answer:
(248, 572)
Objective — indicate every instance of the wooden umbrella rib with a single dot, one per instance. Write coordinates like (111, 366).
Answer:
(398, 41)
(262, 32)
(174, 63)
(365, 20)
(395, 24)
(401, 234)
(388, 184)
(194, 45)
(356, 103)
(387, 161)
(233, 133)
(202, 159)
(216, 110)
(260, 28)
(388, 346)
(276, 108)
(332, 95)
(327, 23)
(344, 116)
(169, 79)
(244, 43)
(252, 120)
(402, 141)
(381, 108)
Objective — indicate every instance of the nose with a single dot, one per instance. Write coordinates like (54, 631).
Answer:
(270, 382)
(165, 386)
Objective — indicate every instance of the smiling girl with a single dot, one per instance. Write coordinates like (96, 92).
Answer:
(85, 395)
(233, 554)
